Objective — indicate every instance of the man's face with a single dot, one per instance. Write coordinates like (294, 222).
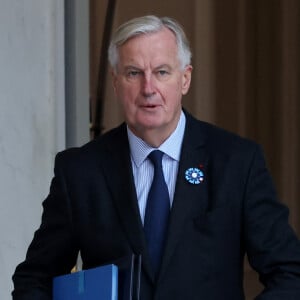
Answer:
(149, 82)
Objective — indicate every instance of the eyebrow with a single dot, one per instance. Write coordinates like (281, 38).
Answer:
(162, 66)
(129, 67)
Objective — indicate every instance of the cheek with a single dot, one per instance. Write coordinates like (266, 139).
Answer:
(127, 99)
(172, 93)
(127, 92)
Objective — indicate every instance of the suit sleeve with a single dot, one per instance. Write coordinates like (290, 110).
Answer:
(272, 247)
(53, 250)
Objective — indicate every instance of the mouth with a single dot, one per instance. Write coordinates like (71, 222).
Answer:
(150, 106)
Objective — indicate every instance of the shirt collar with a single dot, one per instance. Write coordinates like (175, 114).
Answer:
(139, 149)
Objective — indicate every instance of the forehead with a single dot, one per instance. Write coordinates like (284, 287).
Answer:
(149, 46)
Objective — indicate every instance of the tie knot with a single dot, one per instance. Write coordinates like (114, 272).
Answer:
(156, 157)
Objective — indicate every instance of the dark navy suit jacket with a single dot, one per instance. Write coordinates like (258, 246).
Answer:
(92, 207)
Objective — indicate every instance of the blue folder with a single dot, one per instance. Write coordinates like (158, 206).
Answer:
(92, 284)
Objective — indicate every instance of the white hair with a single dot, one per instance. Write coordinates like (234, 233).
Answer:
(145, 25)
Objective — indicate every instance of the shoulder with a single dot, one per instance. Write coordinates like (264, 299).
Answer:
(218, 140)
(87, 153)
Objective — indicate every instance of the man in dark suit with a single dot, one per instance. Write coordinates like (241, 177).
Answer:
(221, 197)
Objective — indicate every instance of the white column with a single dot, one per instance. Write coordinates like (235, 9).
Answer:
(32, 120)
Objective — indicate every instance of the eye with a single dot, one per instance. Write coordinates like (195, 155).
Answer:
(133, 73)
(162, 72)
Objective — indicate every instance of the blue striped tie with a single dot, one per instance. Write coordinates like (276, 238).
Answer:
(157, 212)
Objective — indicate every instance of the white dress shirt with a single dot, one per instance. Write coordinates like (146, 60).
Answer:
(143, 169)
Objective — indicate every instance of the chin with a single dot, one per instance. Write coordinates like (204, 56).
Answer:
(149, 123)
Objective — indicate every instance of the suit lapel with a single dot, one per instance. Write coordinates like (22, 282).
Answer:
(116, 166)
(189, 199)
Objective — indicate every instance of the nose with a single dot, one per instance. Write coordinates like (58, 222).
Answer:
(148, 86)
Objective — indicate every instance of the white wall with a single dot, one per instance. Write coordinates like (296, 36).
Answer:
(32, 120)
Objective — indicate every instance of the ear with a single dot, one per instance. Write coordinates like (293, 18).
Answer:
(114, 79)
(186, 79)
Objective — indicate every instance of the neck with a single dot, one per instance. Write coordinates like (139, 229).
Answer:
(154, 137)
